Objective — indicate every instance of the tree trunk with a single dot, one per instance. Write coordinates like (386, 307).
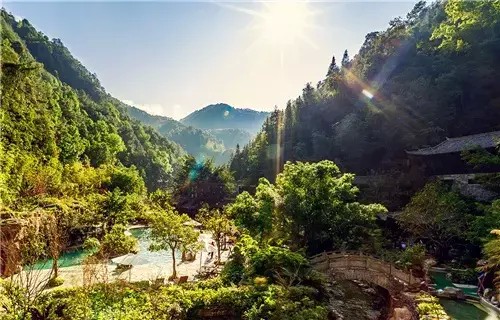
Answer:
(174, 271)
(55, 266)
(217, 241)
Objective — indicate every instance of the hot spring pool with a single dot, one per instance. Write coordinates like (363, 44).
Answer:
(75, 257)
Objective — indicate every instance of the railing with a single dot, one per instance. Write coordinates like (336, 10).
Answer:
(353, 262)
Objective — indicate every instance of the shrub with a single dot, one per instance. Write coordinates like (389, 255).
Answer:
(428, 307)
(412, 257)
(55, 282)
(116, 242)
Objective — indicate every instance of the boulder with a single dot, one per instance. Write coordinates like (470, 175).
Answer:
(401, 314)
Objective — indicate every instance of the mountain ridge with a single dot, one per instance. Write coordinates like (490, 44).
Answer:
(225, 116)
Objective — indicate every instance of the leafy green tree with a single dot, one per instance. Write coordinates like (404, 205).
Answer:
(438, 217)
(319, 207)
(256, 214)
(217, 222)
(116, 242)
(115, 209)
(466, 20)
(202, 182)
(492, 253)
(169, 232)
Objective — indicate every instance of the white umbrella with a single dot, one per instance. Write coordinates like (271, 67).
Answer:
(130, 259)
(192, 222)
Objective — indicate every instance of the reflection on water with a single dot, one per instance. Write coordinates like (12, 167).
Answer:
(75, 257)
(460, 310)
(154, 257)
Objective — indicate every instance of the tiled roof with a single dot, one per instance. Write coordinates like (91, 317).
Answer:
(458, 144)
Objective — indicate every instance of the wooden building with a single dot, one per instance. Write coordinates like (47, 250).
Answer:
(446, 157)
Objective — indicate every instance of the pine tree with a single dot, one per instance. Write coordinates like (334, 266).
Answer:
(333, 68)
(346, 61)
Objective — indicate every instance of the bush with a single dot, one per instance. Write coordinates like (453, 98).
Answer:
(467, 276)
(116, 242)
(428, 307)
(412, 258)
(55, 282)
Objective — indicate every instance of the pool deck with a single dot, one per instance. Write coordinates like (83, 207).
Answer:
(73, 276)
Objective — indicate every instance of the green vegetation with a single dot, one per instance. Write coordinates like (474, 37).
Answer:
(223, 116)
(169, 232)
(77, 170)
(428, 307)
(199, 183)
(423, 91)
(312, 206)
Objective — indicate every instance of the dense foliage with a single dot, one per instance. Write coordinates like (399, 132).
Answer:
(202, 182)
(47, 124)
(192, 301)
(310, 205)
(429, 76)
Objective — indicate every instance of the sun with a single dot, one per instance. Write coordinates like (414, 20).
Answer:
(284, 23)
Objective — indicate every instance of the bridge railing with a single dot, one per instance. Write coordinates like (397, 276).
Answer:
(357, 261)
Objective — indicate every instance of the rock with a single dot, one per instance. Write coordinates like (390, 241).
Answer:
(401, 314)
(452, 293)
(370, 291)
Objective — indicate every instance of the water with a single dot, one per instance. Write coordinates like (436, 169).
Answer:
(154, 257)
(442, 282)
(75, 257)
(461, 310)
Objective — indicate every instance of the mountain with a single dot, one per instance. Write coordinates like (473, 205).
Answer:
(231, 137)
(423, 79)
(224, 116)
(210, 133)
(198, 143)
(55, 114)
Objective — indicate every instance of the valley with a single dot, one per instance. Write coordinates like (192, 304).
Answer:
(372, 194)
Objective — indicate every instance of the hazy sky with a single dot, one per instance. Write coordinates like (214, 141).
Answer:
(171, 58)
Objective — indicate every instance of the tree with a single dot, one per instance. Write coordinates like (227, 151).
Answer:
(218, 223)
(492, 253)
(58, 236)
(202, 182)
(256, 214)
(319, 207)
(333, 68)
(169, 232)
(346, 61)
(116, 242)
(436, 216)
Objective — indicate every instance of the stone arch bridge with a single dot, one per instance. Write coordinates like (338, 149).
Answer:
(356, 266)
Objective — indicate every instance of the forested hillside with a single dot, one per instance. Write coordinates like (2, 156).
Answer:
(199, 143)
(55, 116)
(429, 76)
(223, 116)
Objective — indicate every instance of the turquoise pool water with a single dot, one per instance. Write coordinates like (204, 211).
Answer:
(461, 310)
(75, 257)
(442, 282)
(155, 257)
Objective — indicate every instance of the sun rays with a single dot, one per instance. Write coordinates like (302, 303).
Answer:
(280, 25)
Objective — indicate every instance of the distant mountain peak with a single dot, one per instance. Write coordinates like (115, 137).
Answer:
(225, 116)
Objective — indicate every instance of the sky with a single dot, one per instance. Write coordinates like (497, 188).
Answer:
(171, 58)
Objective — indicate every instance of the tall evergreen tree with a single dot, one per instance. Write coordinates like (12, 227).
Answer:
(346, 61)
(333, 68)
